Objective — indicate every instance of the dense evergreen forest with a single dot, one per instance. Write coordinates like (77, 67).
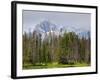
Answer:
(66, 50)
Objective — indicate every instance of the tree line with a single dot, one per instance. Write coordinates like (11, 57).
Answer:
(68, 48)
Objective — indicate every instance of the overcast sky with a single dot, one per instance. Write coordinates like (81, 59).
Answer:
(77, 20)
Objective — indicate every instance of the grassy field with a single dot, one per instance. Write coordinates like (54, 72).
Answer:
(53, 65)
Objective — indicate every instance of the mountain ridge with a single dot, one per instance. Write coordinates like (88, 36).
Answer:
(46, 27)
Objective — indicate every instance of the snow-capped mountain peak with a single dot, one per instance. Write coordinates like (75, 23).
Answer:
(46, 28)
